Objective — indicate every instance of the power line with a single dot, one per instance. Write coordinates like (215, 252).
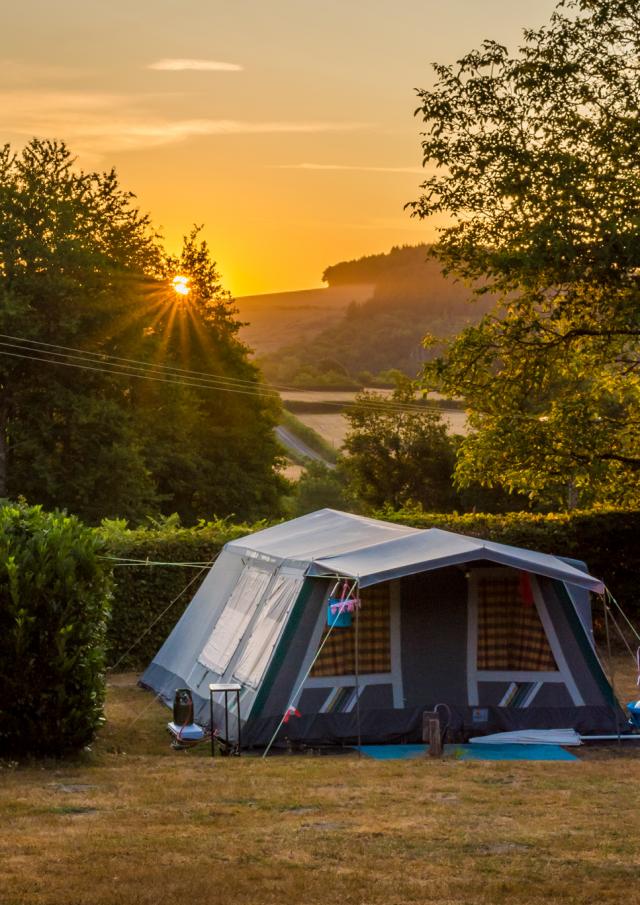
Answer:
(85, 367)
(129, 370)
(106, 358)
(127, 367)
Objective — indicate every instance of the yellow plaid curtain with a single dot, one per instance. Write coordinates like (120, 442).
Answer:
(510, 634)
(374, 654)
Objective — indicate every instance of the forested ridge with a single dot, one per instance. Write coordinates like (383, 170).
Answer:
(411, 298)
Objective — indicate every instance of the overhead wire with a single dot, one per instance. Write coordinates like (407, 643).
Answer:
(178, 376)
(161, 614)
(125, 367)
(106, 358)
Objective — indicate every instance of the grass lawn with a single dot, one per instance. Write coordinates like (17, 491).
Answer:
(137, 823)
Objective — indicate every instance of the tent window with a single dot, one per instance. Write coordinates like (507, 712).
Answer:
(374, 654)
(234, 619)
(267, 629)
(511, 636)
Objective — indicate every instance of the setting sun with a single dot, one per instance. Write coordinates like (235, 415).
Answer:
(180, 285)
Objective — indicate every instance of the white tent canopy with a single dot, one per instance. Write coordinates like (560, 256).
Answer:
(435, 549)
(331, 543)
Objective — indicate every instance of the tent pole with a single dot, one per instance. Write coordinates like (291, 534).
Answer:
(611, 667)
(298, 690)
(357, 676)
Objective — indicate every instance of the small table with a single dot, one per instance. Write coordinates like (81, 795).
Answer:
(214, 688)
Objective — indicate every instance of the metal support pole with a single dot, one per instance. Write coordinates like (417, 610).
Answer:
(213, 741)
(238, 715)
(357, 672)
(611, 666)
(226, 717)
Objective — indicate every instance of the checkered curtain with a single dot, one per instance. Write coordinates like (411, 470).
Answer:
(374, 654)
(510, 634)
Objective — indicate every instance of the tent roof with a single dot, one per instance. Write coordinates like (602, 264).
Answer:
(337, 543)
(322, 533)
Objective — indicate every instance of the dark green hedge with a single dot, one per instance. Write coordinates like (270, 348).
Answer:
(54, 598)
(606, 539)
(142, 592)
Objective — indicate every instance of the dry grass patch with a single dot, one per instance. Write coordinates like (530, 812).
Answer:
(140, 824)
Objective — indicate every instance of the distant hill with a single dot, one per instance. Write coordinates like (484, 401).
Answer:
(284, 318)
(378, 333)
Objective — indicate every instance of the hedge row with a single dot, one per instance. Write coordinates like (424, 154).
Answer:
(607, 540)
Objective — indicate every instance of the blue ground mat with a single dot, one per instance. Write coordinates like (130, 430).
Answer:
(471, 752)
(392, 752)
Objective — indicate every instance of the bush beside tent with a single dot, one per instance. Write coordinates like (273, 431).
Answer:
(54, 597)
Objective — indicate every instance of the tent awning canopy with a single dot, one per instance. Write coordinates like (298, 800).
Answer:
(435, 549)
(331, 543)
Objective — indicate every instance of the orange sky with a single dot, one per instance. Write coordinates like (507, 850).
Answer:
(284, 126)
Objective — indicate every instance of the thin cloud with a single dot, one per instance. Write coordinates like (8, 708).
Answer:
(96, 122)
(347, 167)
(181, 65)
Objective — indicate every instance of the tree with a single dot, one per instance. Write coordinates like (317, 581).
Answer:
(73, 253)
(83, 278)
(398, 453)
(319, 487)
(227, 464)
(536, 166)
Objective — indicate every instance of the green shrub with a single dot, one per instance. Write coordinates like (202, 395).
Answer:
(142, 592)
(54, 594)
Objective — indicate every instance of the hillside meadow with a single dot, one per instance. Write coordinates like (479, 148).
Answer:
(135, 822)
(276, 319)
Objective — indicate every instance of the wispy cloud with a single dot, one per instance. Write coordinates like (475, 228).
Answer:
(347, 167)
(97, 122)
(181, 65)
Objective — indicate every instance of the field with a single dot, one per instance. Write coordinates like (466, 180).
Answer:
(135, 823)
(332, 425)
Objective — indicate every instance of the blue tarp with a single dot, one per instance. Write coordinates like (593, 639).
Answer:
(471, 752)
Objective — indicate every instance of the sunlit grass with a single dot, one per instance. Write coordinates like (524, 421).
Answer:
(135, 822)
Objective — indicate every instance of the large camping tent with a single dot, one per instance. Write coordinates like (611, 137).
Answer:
(501, 635)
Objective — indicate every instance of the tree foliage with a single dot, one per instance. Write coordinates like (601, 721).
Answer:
(319, 487)
(398, 453)
(227, 465)
(535, 162)
(81, 268)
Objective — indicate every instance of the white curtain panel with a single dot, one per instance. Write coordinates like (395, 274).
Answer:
(266, 629)
(234, 619)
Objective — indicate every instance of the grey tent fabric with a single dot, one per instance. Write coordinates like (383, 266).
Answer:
(436, 549)
(323, 533)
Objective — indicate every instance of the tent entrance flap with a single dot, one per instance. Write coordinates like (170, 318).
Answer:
(267, 628)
